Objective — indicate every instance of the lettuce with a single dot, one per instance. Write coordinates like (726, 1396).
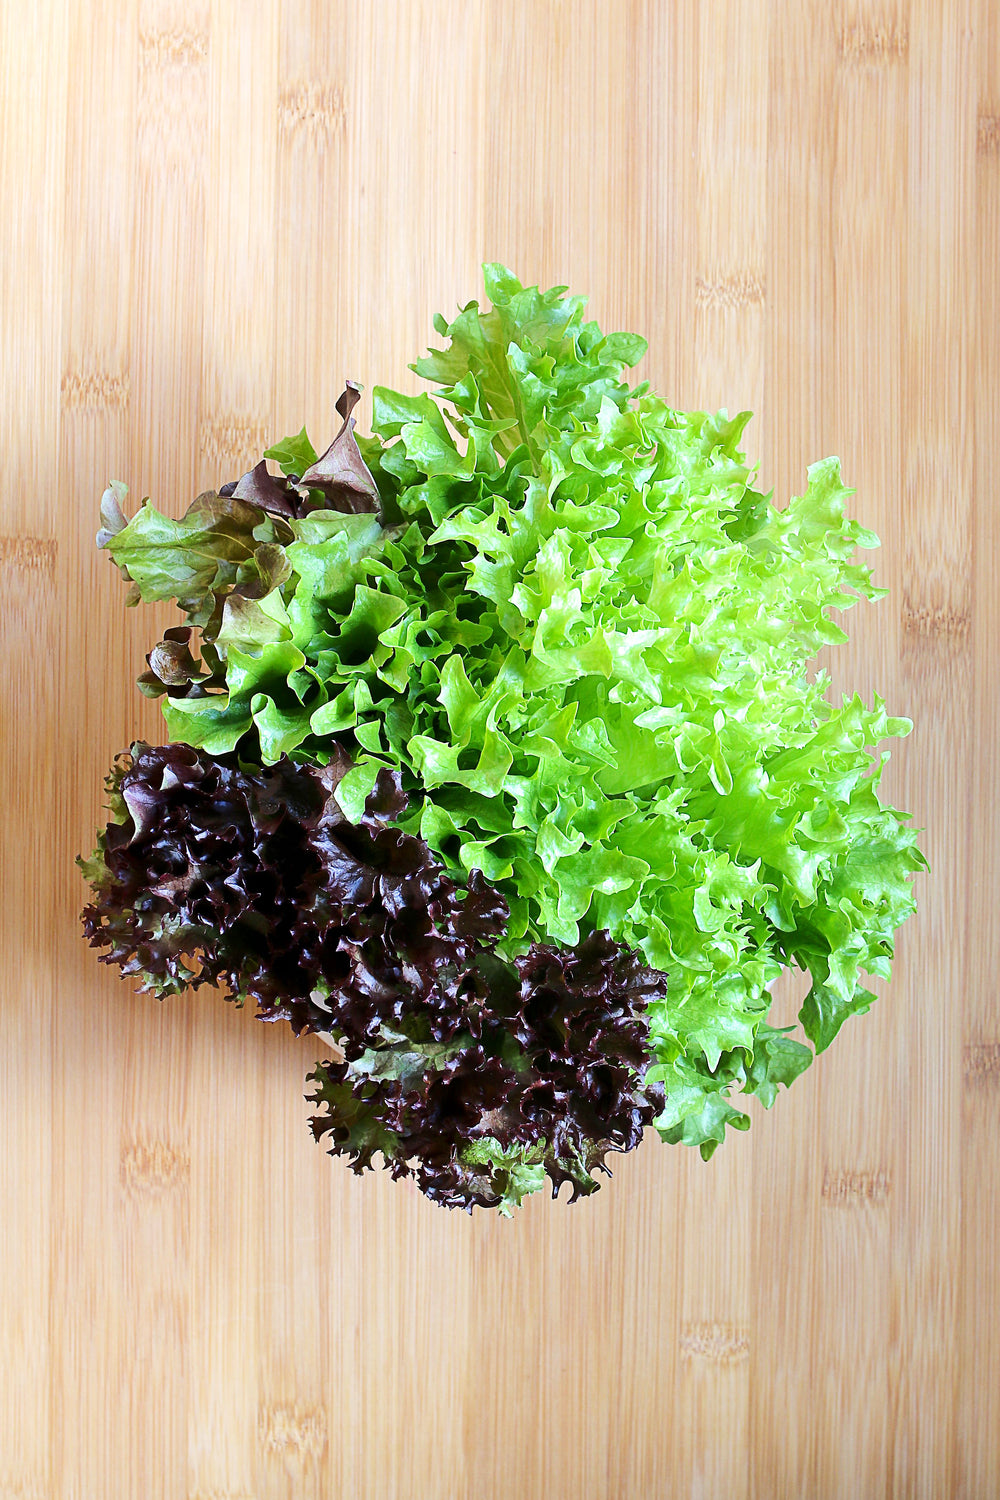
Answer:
(564, 615)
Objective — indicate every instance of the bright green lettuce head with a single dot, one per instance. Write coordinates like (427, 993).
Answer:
(565, 613)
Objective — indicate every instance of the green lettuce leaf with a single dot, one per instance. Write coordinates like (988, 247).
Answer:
(206, 553)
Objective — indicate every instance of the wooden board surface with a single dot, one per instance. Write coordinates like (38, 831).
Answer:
(213, 212)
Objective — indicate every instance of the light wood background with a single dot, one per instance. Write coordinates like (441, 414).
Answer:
(211, 213)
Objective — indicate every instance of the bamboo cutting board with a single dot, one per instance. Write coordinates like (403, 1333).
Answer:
(214, 212)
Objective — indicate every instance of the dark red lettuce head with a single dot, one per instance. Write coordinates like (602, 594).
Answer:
(476, 1076)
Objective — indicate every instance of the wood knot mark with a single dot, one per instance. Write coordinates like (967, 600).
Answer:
(741, 289)
(233, 442)
(874, 42)
(849, 1189)
(315, 110)
(981, 1064)
(946, 622)
(29, 554)
(988, 134)
(293, 1431)
(720, 1343)
(172, 106)
(150, 1168)
(171, 46)
(94, 390)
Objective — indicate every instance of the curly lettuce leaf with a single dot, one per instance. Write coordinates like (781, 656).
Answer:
(293, 455)
(207, 552)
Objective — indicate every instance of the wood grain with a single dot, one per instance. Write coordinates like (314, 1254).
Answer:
(213, 213)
